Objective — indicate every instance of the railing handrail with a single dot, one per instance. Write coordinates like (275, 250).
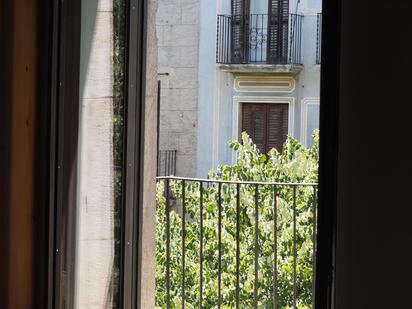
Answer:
(299, 184)
(255, 14)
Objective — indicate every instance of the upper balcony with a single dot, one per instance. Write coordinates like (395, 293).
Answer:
(259, 43)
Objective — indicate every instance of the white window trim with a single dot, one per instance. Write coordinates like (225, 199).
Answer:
(304, 116)
(264, 86)
(238, 100)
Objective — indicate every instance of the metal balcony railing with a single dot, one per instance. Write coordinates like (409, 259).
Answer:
(319, 40)
(259, 39)
(166, 163)
(236, 244)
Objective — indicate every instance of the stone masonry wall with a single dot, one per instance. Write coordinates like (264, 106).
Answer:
(178, 40)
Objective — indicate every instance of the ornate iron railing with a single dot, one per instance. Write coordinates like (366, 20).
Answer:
(237, 244)
(259, 39)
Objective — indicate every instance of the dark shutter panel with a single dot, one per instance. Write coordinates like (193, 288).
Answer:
(278, 22)
(240, 31)
(254, 123)
(277, 125)
(266, 124)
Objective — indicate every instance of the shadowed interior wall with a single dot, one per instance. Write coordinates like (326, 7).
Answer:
(374, 204)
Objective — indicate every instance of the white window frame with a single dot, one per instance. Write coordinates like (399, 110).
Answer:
(304, 116)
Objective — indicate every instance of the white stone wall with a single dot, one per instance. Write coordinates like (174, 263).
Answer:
(178, 40)
(95, 210)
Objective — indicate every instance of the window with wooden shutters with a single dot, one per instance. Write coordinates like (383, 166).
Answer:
(240, 31)
(266, 124)
(278, 22)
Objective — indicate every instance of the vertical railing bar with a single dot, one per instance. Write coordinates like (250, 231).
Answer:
(256, 249)
(230, 34)
(237, 245)
(252, 24)
(170, 160)
(223, 39)
(166, 159)
(314, 244)
(244, 39)
(167, 243)
(228, 26)
(165, 154)
(227, 39)
(290, 31)
(294, 249)
(175, 162)
(201, 246)
(275, 247)
(168, 163)
(297, 23)
(319, 56)
(300, 40)
(317, 39)
(262, 33)
(257, 31)
(297, 39)
(218, 35)
(294, 38)
(183, 242)
(221, 27)
(219, 244)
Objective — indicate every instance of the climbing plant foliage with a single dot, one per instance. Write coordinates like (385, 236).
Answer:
(276, 230)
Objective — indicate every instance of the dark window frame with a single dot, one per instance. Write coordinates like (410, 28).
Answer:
(328, 156)
(63, 46)
(63, 92)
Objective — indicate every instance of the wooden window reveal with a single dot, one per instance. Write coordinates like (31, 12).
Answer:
(266, 124)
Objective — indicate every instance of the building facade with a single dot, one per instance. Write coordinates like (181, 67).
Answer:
(257, 69)
(178, 48)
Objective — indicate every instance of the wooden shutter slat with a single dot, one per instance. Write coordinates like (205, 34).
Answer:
(240, 30)
(278, 30)
(278, 118)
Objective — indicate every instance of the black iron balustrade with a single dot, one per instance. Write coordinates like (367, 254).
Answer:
(259, 39)
(289, 204)
(166, 163)
(319, 40)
